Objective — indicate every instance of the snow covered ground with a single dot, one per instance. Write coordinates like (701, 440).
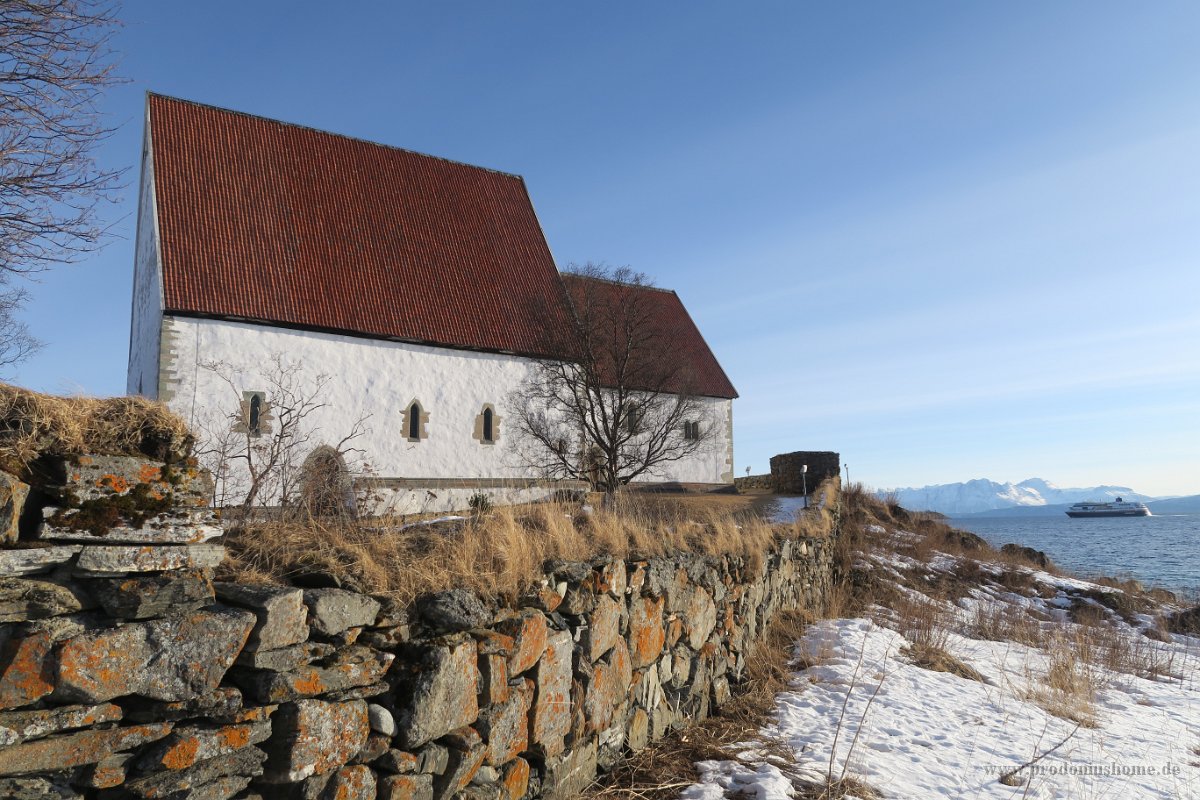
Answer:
(863, 710)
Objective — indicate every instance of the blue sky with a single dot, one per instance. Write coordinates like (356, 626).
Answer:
(948, 240)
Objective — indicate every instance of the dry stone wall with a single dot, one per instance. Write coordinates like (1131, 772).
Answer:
(127, 672)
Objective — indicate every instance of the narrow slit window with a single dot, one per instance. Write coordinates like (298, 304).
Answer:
(255, 421)
(255, 417)
(414, 421)
(487, 425)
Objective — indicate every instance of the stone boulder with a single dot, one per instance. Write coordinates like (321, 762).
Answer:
(246, 762)
(1027, 554)
(155, 595)
(116, 560)
(332, 611)
(24, 599)
(551, 715)
(603, 628)
(22, 726)
(438, 692)
(189, 745)
(12, 502)
(646, 632)
(529, 633)
(453, 611)
(76, 749)
(505, 726)
(313, 737)
(282, 615)
(354, 667)
(178, 658)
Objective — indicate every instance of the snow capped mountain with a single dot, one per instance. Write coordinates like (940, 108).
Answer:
(984, 495)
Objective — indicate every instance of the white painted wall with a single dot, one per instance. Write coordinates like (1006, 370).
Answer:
(381, 378)
(141, 376)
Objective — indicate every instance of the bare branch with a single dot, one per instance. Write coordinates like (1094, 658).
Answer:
(253, 462)
(55, 63)
(618, 408)
(16, 342)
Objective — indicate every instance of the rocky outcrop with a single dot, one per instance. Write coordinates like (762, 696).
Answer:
(125, 671)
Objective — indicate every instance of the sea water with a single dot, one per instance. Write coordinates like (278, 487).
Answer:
(1158, 550)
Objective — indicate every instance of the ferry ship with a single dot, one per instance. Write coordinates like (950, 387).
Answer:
(1117, 508)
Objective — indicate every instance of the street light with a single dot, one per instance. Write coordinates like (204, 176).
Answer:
(804, 482)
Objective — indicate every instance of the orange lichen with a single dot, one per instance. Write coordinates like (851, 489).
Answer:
(646, 634)
(309, 683)
(515, 781)
(235, 737)
(27, 675)
(182, 754)
(113, 482)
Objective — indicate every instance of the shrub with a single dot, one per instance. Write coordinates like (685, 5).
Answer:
(479, 503)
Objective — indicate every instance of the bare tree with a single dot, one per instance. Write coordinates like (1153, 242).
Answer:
(16, 342)
(619, 403)
(256, 448)
(55, 61)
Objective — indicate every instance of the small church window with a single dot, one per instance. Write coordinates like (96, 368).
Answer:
(255, 421)
(255, 417)
(487, 425)
(691, 430)
(414, 422)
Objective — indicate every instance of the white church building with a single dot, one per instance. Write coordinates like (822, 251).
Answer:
(404, 281)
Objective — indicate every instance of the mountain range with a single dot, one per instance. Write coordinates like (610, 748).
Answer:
(1034, 495)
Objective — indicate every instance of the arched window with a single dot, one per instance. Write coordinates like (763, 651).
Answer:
(255, 418)
(487, 425)
(255, 421)
(414, 421)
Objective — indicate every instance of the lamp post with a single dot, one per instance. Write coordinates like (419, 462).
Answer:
(804, 482)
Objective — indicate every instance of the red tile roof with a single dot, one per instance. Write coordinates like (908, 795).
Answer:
(267, 221)
(270, 222)
(687, 363)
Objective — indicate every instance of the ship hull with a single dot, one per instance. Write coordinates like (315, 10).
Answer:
(1132, 512)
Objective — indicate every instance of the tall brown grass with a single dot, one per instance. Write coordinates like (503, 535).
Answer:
(501, 552)
(33, 424)
(1069, 686)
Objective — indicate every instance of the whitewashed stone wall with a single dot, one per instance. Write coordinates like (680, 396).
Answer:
(379, 380)
(142, 375)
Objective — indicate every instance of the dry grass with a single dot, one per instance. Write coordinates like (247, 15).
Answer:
(33, 425)
(499, 553)
(1068, 689)
(925, 625)
(1007, 623)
